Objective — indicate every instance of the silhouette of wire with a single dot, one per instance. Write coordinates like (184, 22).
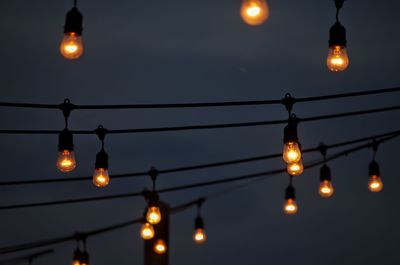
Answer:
(27, 258)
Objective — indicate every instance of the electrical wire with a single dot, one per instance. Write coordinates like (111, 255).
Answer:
(195, 167)
(196, 185)
(27, 258)
(199, 105)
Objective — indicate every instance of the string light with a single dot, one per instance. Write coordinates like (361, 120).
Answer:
(254, 12)
(291, 145)
(153, 215)
(160, 247)
(325, 187)
(66, 158)
(199, 235)
(295, 169)
(338, 59)
(375, 183)
(290, 206)
(71, 46)
(147, 231)
(101, 177)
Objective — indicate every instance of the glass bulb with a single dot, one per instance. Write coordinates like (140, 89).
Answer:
(101, 177)
(71, 46)
(290, 207)
(375, 183)
(147, 231)
(295, 169)
(338, 60)
(153, 215)
(326, 189)
(291, 152)
(254, 12)
(160, 247)
(66, 161)
(76, 262)
(199, 236)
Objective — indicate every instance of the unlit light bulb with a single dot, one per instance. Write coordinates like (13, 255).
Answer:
(254, 12)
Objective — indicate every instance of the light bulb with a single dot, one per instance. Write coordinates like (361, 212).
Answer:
(160, 247)
(295, 169)
(101, 177)
(254, 12)
(71, 45)
(326, 188)
(76, 262)
(375, 183)
(290, 207)
(338, 60)
(291, 152)
(147, 231)
(153, 215)
(66, 161)
(199, 236)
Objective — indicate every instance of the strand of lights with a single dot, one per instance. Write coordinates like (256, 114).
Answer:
(337, 60)
(71, 46)
(254, 12)
(101, 177)
(153, 215)
(375, 183)
(199, 235)
(290, 206)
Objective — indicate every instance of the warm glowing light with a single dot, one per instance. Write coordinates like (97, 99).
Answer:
(199, 236)
(295, 169)
(101, 177)
(338, 60)
(290, 207)
(71, 46)
(291, 152)
(66, 161)
(147, 231)
(76, 262)
(153, 215)
(375, 183)
(326, 189)
(160, 247)
(254, 12)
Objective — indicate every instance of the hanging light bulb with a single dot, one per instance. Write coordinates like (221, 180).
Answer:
(325, 187)
(291, 145)
(199, 235)
(153, 215)
(254, 12)
(66, 159)
(295, 169)
(147, 231)
(77, 258)
(85, 258)
(100, 176)
(375, 183)
(71, 45)
(160, 247)
(290, 206)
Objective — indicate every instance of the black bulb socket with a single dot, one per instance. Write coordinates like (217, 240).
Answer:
(325, 173)
(85, 258)
(199, 223)
(290, 132)
(65, 141)
(101, 160)
(154, 199)
(374, 169)
(337, 35)
(73, 22)
(290, 193)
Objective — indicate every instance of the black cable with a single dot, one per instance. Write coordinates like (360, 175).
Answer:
(202, 104)
(195, 185)
(26, 258)
(213, 126)
(195, 167)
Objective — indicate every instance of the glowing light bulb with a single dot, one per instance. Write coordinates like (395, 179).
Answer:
(254, 12)
(375, 183)
(291, 152)
(66, 161)
(326, 189)
(290, 207)
(71, 46)
(101, 177)
(199, 236)
(338, 59)
(295, 169)
(153, 215)
(160, 247)
(147, 231)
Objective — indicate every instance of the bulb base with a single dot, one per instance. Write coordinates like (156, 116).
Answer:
(337, 35)
(73, 22)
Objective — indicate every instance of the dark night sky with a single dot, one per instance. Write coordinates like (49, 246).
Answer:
(195, 51)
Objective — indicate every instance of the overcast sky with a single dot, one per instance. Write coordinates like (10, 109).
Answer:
(197, 51)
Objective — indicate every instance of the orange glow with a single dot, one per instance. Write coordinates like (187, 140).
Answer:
(71, 46)
(153, 215)
(375, 183)
(254, 12)
(290, 207)
(147, 231)
(326, 189)
(160, 247)
(66, 161)
(338, 60)
(295, 169)
(101, 177)
(76, 262)
(291, 152)
(199, 236)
